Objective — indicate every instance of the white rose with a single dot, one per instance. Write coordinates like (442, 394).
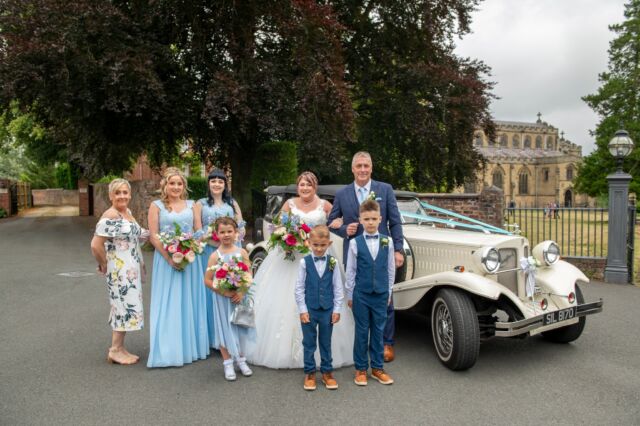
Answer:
(190, 256)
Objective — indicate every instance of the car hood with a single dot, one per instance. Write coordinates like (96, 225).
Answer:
(460, 237)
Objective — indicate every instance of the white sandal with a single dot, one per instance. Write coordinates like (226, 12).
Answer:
(242, 365)
(229, 371)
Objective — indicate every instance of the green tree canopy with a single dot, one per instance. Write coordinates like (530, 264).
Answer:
(617, 102)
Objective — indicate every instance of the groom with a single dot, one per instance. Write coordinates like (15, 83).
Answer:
(346, 205)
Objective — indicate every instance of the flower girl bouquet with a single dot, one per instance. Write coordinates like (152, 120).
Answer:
(233, 275)
(289, 233)
(182, 246)
(211, 237)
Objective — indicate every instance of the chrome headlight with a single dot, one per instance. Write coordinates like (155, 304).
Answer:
(547, 252)
(489, 259)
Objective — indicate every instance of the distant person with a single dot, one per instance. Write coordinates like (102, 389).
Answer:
(116, 247)
(512, 208)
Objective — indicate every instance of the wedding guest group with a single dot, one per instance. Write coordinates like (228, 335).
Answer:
(201, 282)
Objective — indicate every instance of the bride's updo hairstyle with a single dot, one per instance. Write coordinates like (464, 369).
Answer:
(168, 174)
(309, 177)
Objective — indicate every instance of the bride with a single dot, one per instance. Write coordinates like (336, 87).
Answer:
(279, 341)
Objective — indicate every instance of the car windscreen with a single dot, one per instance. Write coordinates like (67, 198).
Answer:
(410, 205)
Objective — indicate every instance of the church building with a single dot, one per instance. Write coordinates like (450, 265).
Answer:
(531, 163)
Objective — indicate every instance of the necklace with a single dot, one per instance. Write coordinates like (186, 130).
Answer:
(307, 203)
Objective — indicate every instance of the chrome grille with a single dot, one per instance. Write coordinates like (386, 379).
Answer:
(508, 260)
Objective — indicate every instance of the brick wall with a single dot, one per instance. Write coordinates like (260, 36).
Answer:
(54, 197)
(485, 206)
(592, 267)
(84, 203)
(143, 192)
(5, 196)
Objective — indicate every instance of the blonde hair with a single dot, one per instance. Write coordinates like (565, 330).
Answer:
(363, 154)
(168, 174)
(309, 177)
(117, 183)
(320, 231)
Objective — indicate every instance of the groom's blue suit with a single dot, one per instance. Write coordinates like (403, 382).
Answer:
(346, 206)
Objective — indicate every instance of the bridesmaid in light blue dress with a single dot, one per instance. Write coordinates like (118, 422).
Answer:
(218, 203)
(178, 317)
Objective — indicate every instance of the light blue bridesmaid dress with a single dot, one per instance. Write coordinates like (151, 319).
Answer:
(178, 317)
(209, 215)
(231, 336)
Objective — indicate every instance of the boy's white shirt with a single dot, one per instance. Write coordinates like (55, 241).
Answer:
(321, 266)
(352, 265)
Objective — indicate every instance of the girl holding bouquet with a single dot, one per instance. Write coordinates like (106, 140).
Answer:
(217, 204)
(228, 276)
(279, 336)
(178, 318)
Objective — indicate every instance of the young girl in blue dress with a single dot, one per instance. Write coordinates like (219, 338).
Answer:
(229, 338)
(217, 204)
(178, 315)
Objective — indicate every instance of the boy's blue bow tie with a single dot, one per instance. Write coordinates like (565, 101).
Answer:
(319, 258)
(371, 237)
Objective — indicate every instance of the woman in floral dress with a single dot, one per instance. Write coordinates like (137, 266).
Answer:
(116, 247)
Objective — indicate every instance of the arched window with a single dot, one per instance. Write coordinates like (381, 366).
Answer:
(503, 140)
(570, 173)
(549, 142)
(497, 179)
(478, 139)
(538, 142)
(523, 183)
(515, 141)
(527, 141)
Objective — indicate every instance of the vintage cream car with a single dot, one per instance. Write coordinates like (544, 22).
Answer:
(474, 281)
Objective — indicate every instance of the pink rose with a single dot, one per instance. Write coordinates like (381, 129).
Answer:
(243, 266)
(221, 273)
(290, 240)
(172, 248)
(305, 228)
(177, 257)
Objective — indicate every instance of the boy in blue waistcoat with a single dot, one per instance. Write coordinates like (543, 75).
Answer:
(319, 296)
(370, 274)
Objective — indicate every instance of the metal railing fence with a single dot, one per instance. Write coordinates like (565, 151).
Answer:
(579, 232)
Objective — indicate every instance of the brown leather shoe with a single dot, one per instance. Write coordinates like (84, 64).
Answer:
(389, 354)
(329, 381)
(310, 381)
(381, 376)
(361, 378)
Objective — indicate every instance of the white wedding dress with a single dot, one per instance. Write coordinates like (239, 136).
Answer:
(279, 334)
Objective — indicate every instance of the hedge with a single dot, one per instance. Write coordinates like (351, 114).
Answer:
(197, 187)
(276, 162)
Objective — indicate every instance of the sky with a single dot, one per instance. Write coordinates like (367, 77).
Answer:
(544, 55)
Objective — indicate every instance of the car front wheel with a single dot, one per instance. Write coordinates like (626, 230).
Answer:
(571, 332)
(256, 261)
(455, 329)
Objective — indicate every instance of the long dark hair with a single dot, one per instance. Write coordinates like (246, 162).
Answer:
(226, 194)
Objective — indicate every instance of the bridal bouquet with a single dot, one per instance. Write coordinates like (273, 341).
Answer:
(182, 246)
(289, 233)
(232, 275)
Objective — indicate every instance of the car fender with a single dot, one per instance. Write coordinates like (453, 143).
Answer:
(256, 248)
(560, 278)
(408, 293)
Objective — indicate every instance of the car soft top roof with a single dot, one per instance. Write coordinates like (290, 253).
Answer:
(325, 191)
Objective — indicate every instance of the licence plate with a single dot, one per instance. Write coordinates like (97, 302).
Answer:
(558, 316)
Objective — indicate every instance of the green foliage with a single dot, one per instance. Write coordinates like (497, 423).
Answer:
(39, 176)
(66, 176)
(3, 213)
(108, 178)
(276, 163)
(617, 102)
(197, 187)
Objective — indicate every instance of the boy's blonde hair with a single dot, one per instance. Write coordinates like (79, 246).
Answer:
(320, 231)
(369, 206)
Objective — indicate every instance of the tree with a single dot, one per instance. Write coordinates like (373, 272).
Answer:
(617, 102)
(417, 104)
(112, 79)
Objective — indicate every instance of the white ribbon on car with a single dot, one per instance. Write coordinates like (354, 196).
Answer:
(529, 269)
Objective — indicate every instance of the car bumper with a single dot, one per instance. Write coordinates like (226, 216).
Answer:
(536, 324)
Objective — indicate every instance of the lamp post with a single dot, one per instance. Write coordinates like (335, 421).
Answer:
(616, 270)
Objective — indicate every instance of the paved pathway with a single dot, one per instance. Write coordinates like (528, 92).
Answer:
(55, 335)
(49, 211)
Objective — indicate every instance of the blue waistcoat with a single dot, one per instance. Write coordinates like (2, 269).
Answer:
(372, 276)
(318, 292)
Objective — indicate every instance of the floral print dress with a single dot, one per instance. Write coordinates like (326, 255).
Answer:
(124, 268)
